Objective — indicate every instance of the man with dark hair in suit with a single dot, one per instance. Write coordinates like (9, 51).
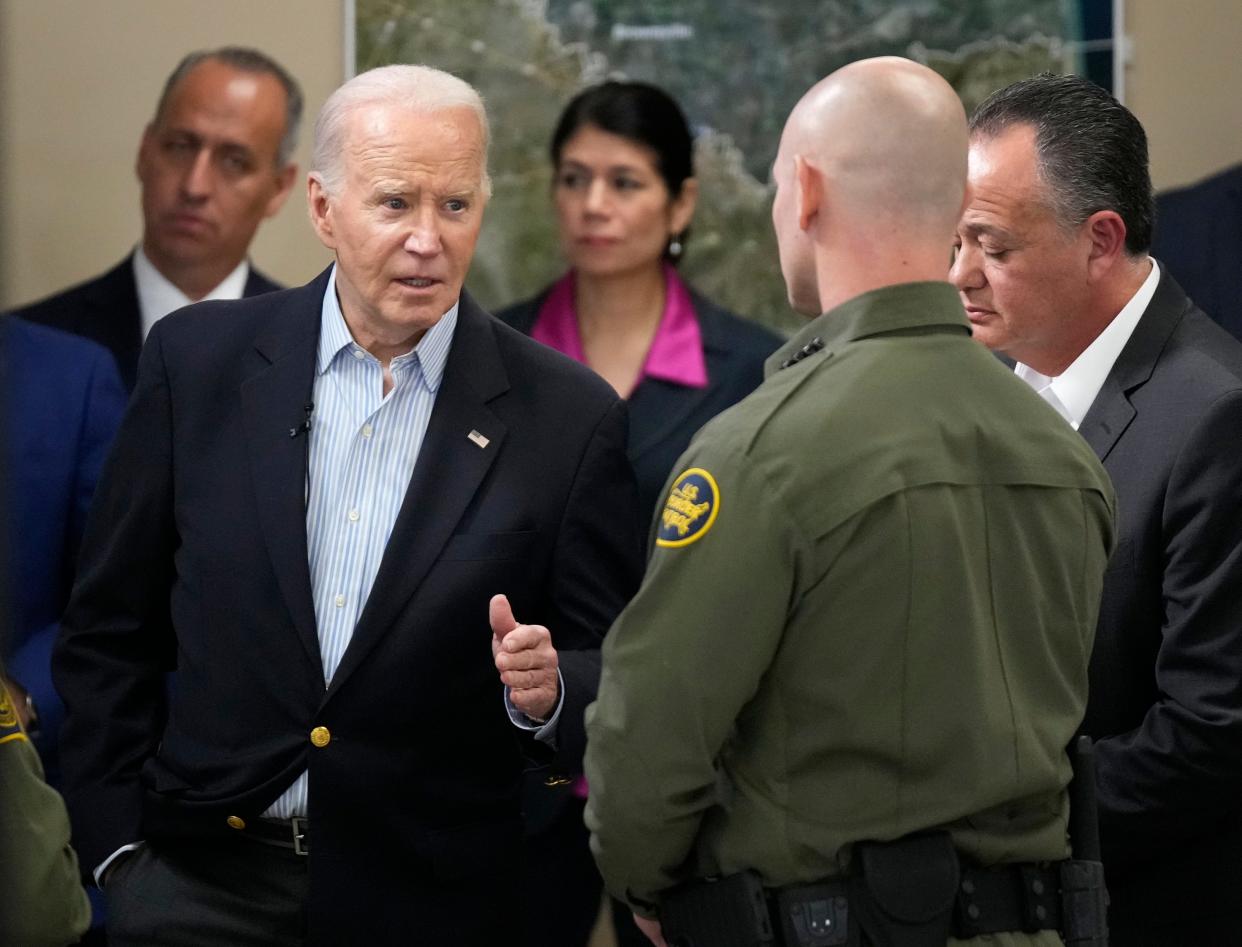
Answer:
(213, 163)
(1053, 269)
(319, 501)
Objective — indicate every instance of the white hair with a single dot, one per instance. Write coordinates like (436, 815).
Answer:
(418, 88)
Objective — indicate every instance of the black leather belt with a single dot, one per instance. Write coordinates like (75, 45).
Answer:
(293, 834)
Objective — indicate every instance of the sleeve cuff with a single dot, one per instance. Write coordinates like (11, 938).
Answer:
(103, 866)
(544, 731)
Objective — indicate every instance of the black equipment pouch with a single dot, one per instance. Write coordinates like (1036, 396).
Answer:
(727, 912)
(906, 890)
(816, 915)
(1084, 904)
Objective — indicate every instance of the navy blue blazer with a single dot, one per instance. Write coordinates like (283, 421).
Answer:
(63, 403)
(1165, 698)
(665, 415)
(1199, 238)
(195, 560)
(106, 310)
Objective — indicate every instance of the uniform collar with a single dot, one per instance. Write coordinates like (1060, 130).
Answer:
(922, 305)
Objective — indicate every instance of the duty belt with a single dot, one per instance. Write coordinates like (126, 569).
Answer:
(909, 893)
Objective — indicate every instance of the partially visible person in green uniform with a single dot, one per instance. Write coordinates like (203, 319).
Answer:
(873, 585)
(42, 901)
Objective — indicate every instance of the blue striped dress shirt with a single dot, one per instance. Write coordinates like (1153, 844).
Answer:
(362, 451)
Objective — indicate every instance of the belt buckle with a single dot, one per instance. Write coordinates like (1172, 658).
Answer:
(299, 836)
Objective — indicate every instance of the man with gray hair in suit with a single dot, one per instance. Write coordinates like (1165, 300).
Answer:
(327, 509)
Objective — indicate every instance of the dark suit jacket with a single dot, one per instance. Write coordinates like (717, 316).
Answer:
(663, 415)
(196, 556)
(1166, 673)
(63, 402)
(1199, 237)
(106, 310)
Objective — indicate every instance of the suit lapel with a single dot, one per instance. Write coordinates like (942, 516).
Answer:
(117, 317)
(446, 476)
(1112, 411)
(273, 400)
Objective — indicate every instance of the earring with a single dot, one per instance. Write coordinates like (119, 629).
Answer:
(674, 247)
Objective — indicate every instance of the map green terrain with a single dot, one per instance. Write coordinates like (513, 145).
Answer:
(737, 68)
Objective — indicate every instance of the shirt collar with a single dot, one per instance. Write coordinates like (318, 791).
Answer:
(676, 352)
(431, 352)
(158, 296)
(887, 309)
(1077, 386)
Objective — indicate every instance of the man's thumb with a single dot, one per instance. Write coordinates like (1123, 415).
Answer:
(500, 614)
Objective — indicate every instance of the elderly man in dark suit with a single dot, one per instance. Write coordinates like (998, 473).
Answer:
(319, 501)
(1054, 272)
(213, 163)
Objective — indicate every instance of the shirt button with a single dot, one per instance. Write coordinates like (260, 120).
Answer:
(321, 737)
(353, 516)
(340, 601)
(366, 430)
(236, 822)
(358, 353)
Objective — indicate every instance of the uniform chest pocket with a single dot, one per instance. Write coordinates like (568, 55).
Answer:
(489, 546)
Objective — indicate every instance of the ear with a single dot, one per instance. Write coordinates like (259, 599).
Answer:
(284, 184)
(1106, 233)
(810, 192)
(145, 146)
(319, 205)
(682, 210)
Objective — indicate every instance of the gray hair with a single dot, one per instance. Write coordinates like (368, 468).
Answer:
(244, 59)
(418, 88)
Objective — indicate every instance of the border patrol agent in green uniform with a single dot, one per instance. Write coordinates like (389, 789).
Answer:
(42, 902)
(868, 613)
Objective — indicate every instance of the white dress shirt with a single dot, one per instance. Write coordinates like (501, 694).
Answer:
(1073, 391)
(157, 297)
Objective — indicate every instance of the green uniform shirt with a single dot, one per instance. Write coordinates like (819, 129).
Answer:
(41, 899)
(868, 611)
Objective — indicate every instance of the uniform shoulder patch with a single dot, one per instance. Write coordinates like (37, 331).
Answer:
(10, 726)
(690, 509)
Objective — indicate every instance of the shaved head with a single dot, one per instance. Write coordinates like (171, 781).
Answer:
(875, 156)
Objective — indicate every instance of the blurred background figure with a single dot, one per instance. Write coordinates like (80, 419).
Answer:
(61, 401)
(213, 163)
(41, 898)
(1199, 238)
(624, 193)
(62, 404)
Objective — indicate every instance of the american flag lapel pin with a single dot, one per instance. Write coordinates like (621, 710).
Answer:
(478, 439)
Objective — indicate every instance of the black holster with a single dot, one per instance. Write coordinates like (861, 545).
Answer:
(1084, 904)
(725, 912)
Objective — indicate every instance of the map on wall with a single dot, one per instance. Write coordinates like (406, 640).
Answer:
(736, 66)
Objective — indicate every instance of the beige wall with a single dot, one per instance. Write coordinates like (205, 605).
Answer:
(80, 82)
(1184, 82)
